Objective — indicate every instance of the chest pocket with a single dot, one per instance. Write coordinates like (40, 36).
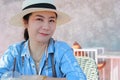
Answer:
(47, 68)
(47, 71)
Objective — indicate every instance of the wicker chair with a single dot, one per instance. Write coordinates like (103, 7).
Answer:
(89, 67)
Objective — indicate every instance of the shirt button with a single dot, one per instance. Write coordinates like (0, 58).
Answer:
(33, 66)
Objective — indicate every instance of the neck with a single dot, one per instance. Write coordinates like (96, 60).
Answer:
(36, 47)
(36, 51)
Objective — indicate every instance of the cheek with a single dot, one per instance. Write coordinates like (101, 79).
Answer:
(31, 29)
(33, 26)
(53, 28)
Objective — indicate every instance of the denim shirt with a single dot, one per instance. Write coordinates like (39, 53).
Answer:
(65, 63)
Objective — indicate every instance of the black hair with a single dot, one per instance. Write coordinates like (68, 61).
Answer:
(26, 36)
(26, 18)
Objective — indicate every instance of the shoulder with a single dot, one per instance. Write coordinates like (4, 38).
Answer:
(15, 48)
(17, 45)
(61, 44)
(62, 48)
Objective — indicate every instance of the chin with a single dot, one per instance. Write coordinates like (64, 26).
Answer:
(43, 40)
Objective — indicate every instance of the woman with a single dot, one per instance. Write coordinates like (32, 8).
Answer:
(40, 54)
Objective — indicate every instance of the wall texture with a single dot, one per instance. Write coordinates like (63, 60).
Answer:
(95, 23)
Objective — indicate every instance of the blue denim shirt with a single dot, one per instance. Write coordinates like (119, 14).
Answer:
(65, 63)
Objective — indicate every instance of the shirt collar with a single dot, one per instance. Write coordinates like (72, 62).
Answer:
(51, 46)
(26, 51)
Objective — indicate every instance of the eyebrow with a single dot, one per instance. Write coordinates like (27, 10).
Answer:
(44, 17)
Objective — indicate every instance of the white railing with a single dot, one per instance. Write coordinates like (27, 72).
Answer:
(111, 69)
(86, 52)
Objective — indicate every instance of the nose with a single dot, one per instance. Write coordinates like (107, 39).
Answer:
(45, 25)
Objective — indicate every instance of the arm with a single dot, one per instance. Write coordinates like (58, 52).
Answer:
(6, 62)
(70, 67)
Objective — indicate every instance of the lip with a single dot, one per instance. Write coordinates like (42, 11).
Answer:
(44, 34)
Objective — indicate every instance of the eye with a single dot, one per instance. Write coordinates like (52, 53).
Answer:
(52, 20)
(39, 19)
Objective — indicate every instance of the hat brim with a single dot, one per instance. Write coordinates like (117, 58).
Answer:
(17, 20)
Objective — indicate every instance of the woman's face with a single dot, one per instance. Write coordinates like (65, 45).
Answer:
(41, 26)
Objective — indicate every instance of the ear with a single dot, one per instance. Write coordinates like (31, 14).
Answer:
(25, 22)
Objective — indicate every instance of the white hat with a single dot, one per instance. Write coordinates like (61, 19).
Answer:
(30, 6)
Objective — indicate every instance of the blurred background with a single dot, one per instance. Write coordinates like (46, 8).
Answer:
(95, 23)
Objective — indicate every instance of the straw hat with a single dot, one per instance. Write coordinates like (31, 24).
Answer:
(30, 6)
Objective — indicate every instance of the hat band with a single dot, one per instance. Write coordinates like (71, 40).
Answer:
(41, 5)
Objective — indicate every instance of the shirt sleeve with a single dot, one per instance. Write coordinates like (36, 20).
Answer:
(6, 61)
(70, 67)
